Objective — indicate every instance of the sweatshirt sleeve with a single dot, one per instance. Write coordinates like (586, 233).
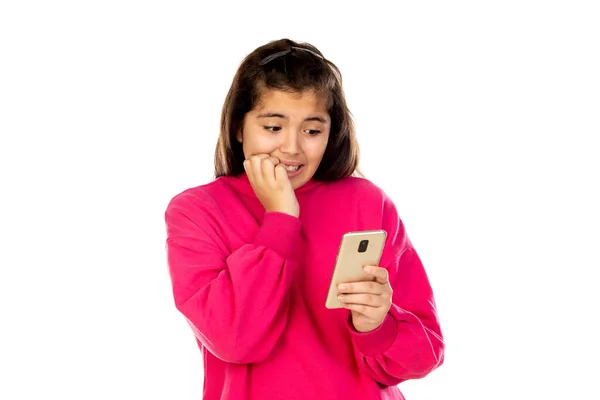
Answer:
(409, 343)
(236, 303)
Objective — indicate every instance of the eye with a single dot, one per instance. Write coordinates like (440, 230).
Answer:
(312, 132)
(273, 128)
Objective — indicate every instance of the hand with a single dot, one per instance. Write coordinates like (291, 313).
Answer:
(368, 301)
(271, 184)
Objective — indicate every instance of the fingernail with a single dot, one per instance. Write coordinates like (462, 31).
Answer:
(342, 287)
(369, 269)
(340, 298)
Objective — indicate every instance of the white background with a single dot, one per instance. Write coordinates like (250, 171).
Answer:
(478, 118)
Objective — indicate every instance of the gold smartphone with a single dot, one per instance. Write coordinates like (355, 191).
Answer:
(357, 250)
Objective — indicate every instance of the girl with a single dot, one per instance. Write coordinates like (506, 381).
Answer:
(251, 253)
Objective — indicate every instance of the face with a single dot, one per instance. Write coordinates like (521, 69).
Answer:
(294, 127)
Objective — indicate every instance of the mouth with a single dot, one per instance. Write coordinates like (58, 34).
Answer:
(293, 170)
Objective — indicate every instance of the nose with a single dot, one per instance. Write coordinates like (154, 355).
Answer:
(289, 143)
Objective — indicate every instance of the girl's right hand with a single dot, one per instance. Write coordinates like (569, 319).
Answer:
(271, 184)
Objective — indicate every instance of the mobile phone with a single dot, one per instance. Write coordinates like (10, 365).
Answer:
(357, 250)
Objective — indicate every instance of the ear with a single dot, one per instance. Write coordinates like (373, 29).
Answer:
(238, 136)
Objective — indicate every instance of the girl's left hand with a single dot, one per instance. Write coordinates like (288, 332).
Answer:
(369, 301)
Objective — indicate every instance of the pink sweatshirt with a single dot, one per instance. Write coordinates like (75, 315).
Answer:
(252, 286)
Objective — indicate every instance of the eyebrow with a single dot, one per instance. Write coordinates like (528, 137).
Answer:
(277, 115)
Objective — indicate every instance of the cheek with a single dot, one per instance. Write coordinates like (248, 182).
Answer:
(315, 149)
(255, 142)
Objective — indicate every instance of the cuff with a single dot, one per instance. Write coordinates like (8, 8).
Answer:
(280, 232)
(378, 340)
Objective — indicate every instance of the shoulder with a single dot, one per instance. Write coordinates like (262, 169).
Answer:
(360, 197)
(197, 197)
(360, 189)
(367, 197)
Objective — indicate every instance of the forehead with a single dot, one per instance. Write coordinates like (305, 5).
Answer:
(306, 102)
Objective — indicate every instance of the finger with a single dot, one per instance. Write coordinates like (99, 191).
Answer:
(256, 158)
(280, 173)
(369, 312)
(371, 300)
(249, 171)
(361, 287)
(255, 166)
(380, 274)
(274, 160)
(267, 168)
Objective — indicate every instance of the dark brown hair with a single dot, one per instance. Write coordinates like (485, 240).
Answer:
(294, 67)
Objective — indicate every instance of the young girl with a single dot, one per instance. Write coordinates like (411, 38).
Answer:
(251, 254)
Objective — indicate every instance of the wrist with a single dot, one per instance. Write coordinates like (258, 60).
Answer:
(293, 213)
(365, 329)
(378, 340)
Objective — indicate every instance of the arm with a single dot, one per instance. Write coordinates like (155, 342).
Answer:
(235, 303)
(409, 343)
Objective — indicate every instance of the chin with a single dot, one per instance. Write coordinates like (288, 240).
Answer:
(300, 180)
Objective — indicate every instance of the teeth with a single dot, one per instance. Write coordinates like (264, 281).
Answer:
(290, 168)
